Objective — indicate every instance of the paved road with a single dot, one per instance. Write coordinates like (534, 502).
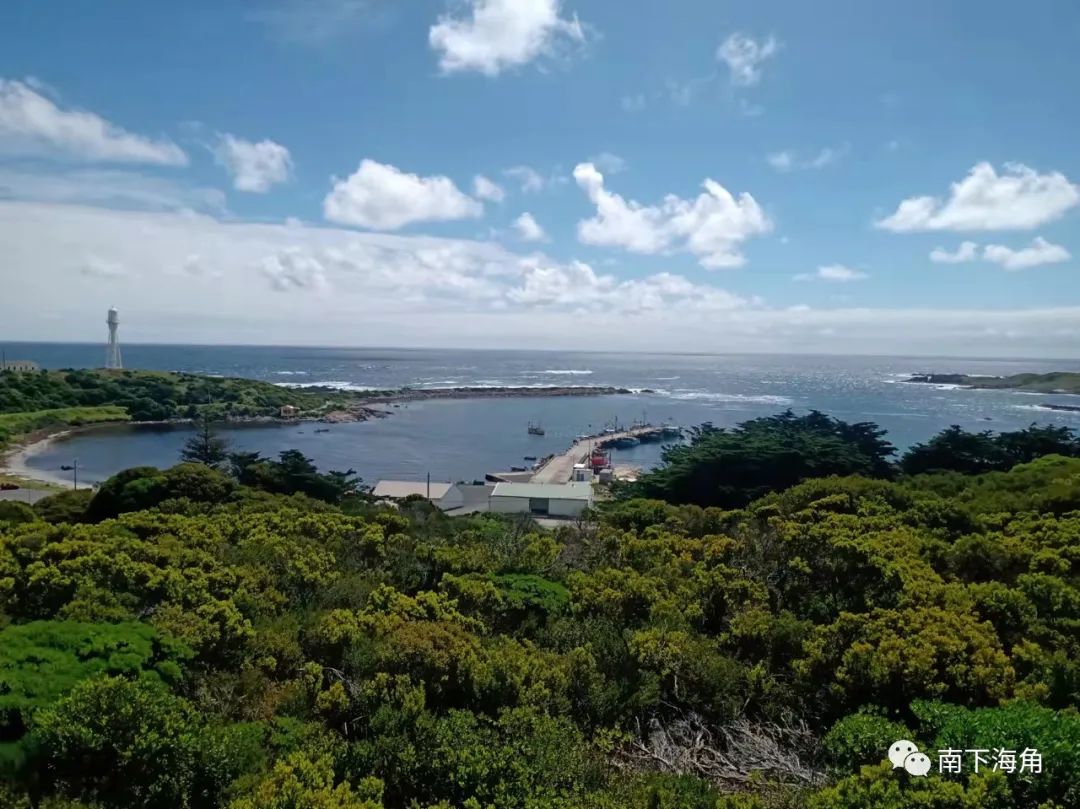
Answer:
(561, 468)
(26, 495)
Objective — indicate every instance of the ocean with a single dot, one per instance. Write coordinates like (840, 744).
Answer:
(462, 440)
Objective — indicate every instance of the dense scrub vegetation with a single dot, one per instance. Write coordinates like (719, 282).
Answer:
(30, 401)
(267, 638)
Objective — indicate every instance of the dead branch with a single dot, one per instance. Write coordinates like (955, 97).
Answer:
(728, 756)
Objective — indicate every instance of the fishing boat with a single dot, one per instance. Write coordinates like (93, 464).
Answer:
(625, 442)
(529, 458)
(535, 429)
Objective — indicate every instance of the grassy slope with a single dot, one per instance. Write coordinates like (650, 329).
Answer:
(13, 425)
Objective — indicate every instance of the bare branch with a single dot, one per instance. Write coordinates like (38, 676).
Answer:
(728, 756)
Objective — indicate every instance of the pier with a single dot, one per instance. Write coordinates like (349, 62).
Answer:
(560, 468)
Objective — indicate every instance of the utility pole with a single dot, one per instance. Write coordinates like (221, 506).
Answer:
(75, 476)
(429, 485)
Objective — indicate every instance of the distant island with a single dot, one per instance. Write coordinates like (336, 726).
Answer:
(1057, 382)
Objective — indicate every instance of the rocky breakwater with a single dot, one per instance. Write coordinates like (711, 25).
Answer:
(427, 394)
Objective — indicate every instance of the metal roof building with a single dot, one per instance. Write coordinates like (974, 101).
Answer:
(400, 489)
(548, 499)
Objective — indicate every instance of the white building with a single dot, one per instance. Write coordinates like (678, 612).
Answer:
(444, 495)
(542, 499)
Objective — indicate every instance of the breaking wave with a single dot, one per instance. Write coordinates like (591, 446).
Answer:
(1045, 409)
(335, 384)
(736, 398)
(571, 371)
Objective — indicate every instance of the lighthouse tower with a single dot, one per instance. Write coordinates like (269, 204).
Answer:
(112, 351)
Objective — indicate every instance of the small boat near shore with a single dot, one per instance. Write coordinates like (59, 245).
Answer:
(536, 429)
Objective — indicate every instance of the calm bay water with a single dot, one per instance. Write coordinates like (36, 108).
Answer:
(461, 440)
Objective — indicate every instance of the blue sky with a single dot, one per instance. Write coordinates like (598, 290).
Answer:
(288, 171)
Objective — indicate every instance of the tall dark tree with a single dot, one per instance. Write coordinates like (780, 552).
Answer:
(292, 473)
(206, 447)
(957, 450)
(731, 467)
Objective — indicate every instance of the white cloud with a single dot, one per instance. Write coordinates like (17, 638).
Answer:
(967, 251)
(1017, 199)
(529, 229)
(283, 279)
(484, 188)
(383, 197)
(634, 102)
(748, 110)
(711, 226)
(683, 92)
(578, 286)
(608, 163)
(315, 22)
(789, 160)
(781, 161)
(253, 166)
(110, 187)
(824, 157)
(835, 273)
(499, 34)
(292, 268)
(31, 123)
(96, 267)
(387, 289)
(195, 266)
(744, 57)
(1038, 252)
(531, 180)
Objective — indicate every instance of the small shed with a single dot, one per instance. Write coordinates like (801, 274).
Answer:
(542, 499)
(289, 411)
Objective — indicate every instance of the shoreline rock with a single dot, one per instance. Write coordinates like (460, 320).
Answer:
(1060, 382)
(1065, 408)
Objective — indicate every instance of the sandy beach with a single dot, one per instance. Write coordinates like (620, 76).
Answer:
(13, 461)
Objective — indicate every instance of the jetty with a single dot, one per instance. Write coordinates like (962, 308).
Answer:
(560, 468)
